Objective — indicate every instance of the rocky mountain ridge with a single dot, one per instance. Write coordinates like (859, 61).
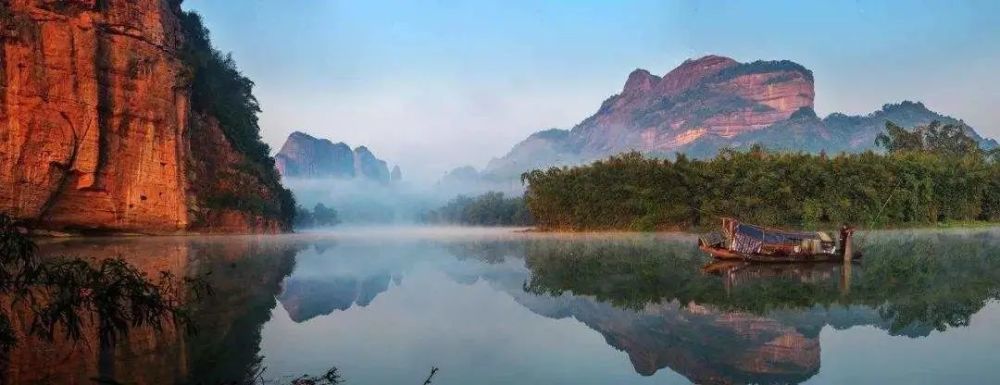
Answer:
(305, 156)
(704, 105)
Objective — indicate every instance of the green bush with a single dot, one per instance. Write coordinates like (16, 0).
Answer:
(490, 209)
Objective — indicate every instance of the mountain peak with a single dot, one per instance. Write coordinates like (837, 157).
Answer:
(301, 135)
(640, 81)
(306, 156)
(708, 60)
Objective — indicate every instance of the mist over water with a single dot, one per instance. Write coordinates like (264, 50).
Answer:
(367, 202)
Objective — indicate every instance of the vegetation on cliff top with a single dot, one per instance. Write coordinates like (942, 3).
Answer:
(763, 66)
(218, 89)
(936, 174)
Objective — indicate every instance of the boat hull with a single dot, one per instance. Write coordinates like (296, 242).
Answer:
(729, 255)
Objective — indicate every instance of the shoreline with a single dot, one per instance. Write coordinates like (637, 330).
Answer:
(52, 234)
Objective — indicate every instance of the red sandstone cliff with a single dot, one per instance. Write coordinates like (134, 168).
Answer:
(712, 95)
(712, 99)
(95, 123)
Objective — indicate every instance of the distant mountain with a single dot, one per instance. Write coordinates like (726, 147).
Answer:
(305, 156)
(707, 104)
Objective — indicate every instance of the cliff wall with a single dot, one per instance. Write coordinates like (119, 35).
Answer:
(95, 121)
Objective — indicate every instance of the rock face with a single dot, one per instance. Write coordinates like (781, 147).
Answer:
(706, 104)
(366, 165)
(95, 123)
(396, 175)
(304, 156)
(709, 96)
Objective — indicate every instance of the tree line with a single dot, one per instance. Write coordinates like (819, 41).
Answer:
(489, 209)
(319, 216)
(933, 174)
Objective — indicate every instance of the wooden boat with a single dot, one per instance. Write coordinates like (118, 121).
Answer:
(744, 242)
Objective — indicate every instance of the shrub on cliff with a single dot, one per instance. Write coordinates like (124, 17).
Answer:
(218, 89)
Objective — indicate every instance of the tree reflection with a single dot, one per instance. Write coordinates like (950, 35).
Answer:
(666, 305)
(916, 284)
(94, 318)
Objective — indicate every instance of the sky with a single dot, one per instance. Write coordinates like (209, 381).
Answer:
(433, 85)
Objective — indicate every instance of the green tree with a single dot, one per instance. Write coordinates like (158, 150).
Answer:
(899, 139)
(325, 216)
(489, 209)
(943, 139)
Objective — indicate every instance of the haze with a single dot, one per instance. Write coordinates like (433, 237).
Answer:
(436, 85)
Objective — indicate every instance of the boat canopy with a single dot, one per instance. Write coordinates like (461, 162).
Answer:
(733, 228)
(773, 236)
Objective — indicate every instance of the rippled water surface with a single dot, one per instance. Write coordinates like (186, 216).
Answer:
(503, 307)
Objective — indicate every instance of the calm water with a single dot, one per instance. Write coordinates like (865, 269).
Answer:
(498, 307)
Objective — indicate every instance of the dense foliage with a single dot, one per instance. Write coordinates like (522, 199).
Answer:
(936, 178)
(489, 209)
(319, 216)
(763, 66)
(219, 90)
(947, 139)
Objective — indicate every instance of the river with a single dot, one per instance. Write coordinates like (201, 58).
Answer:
(500, 306)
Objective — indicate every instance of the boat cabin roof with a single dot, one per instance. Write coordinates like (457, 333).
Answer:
(775, 236)
(772, 236)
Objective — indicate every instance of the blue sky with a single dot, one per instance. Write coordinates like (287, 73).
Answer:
(432, 85)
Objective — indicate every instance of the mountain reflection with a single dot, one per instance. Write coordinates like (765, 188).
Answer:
(306, 299)
(664, 305)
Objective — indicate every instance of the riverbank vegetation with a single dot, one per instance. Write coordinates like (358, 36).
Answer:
(933, 174)
(489, 209)
(319, 216)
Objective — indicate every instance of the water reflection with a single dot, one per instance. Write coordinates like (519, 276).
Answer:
(245, 274)
(522, 308)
